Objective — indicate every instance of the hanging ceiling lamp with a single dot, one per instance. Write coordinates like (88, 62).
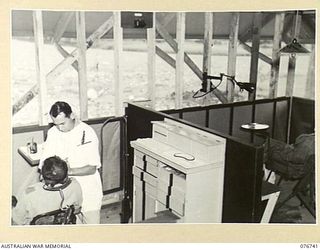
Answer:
(294, 47)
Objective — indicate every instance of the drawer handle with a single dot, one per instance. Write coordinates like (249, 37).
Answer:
(185, 156)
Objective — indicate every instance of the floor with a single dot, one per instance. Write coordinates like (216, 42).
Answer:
(291, 212)
(110, 214)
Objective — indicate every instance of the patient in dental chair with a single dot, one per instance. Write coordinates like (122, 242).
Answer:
(289, 159)
(57, 191)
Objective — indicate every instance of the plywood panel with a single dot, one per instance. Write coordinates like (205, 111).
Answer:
(219, 120)
(196, 117)
(241, 115)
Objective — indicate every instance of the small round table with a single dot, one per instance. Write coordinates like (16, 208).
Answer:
(255, 127)
(260, 130)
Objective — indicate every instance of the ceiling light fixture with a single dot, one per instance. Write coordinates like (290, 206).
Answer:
(294, 47)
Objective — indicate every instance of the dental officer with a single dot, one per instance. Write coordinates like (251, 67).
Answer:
(77, 143)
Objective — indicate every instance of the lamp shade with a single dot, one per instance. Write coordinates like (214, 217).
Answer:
(294, 47)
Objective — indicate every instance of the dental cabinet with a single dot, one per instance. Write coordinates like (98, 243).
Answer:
(180, 169)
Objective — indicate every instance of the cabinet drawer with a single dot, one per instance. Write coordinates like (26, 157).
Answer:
(152, 169)
(151, 160)
(144, 176)
(179, 180)
(179, 193)
(150, 179)
(163, 186)
(151, 190)
(139, 154)
(150, 206)
(162, 196)
(164, 173)
(139, 162)
(177, 205)
(137, 171)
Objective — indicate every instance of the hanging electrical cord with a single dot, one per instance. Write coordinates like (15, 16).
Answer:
(212, 88)
(205, 78)
(250, 87)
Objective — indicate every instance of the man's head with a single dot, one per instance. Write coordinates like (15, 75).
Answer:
(54, 171)
(62, 116)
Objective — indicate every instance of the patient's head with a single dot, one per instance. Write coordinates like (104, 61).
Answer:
(54, 171)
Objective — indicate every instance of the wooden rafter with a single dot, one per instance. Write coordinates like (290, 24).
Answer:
(102, 30)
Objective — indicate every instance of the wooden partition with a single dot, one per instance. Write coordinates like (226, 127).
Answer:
(227, 118)
(303, 118)
(243, 169)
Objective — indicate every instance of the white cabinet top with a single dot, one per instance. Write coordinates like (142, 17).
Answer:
(166, 154)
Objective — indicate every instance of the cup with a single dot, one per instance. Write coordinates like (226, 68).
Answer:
(32, 146)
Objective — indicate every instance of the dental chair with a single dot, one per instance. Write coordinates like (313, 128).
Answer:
(61, 216)
(302, 173)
